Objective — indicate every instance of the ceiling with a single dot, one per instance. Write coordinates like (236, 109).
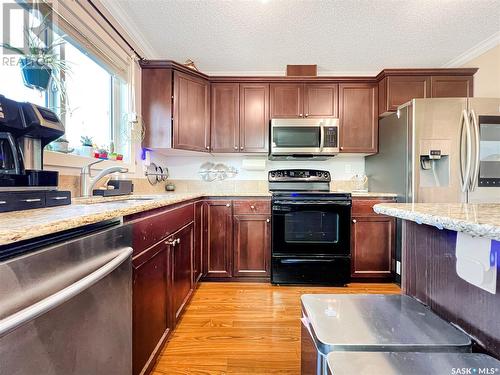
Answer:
(341, 37)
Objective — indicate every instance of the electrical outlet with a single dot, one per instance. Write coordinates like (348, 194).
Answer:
(398, 267)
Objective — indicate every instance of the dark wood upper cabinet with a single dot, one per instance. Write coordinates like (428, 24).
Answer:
(156, 100)
(252, 245)
(358, 118)
(287, 100)
(225, 117)
(191, 113)
(372, 241)
(254, 117)
(398, 90)
(218, 244)
(150, 309)
(321, 100)
(181, 250)
(452, 86)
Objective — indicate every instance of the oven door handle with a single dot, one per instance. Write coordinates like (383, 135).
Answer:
(317, 203)
(294, 261)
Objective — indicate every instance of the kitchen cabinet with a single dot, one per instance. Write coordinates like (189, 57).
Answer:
(299, 100)
(252, 245)
(218, 223)
(181, 260)
(191, 113)
(251, 238)
(287, 100)
(372, 241)
(254, 117)
(150, 310)
(358, 120)
(321, 100)
(402, 85)
(397, 90)
(225, 117)
(451, 86)
(198, 241)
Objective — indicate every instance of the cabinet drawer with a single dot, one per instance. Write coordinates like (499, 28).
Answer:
(151, 229)
(248, 207)
(57, 198)
(364, 207)
(21, 201)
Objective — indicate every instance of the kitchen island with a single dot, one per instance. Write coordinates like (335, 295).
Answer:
(449, 262)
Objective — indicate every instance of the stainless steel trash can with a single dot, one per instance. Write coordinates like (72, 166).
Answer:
(371, 323)
(397, 363)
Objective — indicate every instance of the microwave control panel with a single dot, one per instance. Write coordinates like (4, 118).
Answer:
(331, 136)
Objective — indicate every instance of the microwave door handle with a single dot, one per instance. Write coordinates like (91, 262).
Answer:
(476, 156)
(322, 136)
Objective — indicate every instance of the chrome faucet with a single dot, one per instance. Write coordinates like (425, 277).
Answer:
(87, 182)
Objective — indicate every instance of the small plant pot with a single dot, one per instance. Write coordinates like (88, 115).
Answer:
(87, 151)
(35, 75)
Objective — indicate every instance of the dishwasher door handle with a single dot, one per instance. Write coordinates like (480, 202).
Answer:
(43, 306)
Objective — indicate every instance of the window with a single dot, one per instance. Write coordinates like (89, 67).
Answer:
(93, 102)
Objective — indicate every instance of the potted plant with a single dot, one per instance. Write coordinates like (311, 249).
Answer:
(40, 63)
(61, 145)
(86, 149)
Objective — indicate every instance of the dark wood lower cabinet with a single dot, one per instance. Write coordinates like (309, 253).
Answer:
(252, 245)
(150, 311)
(372, 242)
(218, 247)
(181, 277)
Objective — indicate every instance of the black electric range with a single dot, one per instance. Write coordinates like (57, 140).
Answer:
(310, 229)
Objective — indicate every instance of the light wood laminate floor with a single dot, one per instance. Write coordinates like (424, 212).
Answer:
(243, 328)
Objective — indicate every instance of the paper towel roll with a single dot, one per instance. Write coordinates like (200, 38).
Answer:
(254, 164)
(474, 262)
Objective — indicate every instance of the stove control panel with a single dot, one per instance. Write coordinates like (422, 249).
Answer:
(290, 175)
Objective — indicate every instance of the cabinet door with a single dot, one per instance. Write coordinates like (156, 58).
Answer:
(225, 117)
(198, 241)
(182, 268)
(358, 118)
(254, 117)
(287, 100)
(218, 249)
(321, 100)
(150, 309)
(451, 86)
(157, 107)
(372, 246)
(252, 240)
(400, 90)
(191, 113)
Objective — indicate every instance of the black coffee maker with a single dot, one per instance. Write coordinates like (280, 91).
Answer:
(25, 130)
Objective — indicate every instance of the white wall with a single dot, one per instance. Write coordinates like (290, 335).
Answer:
(487, 78)
(186, 167)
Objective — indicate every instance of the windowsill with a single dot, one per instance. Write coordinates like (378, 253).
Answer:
(59, 159)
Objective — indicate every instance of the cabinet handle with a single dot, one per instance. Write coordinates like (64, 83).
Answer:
(228, 205)
(235, 147)
(300, 114)
(178, 241)
(207, 147)
(354, 221)
(307, 114)
(252, 207)
(3, 202)
(268, 220)
(241, 147)
(341, 147)
(170, 242)
(31, 200)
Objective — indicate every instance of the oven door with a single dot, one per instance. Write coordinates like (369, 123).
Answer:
(311, 228)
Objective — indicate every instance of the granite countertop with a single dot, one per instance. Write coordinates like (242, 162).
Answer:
(477, 220)
(23, 225)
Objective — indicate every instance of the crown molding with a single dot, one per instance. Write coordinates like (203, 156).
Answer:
(475, 51)
(281, 73)
(121, 16)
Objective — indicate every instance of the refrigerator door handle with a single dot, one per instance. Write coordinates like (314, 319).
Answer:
(465, 157)
(475, 170)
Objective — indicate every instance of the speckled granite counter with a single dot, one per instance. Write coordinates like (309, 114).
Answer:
(478, 220)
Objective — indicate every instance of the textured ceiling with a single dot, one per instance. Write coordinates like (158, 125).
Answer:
(339, 36)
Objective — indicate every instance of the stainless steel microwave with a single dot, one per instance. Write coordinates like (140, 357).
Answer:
(304, 139)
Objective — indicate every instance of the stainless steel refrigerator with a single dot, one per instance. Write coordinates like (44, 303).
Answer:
(439, 150)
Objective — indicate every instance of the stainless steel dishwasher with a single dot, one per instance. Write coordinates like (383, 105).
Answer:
(66, 303)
